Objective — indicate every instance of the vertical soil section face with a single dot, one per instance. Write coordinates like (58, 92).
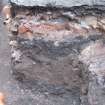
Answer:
(55, 51)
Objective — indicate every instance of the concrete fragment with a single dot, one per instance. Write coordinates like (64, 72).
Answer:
(7, 11)
(7, 21)
(90, 21)
(13, 27)
(13, 43)
(101, 24)
(16, 55)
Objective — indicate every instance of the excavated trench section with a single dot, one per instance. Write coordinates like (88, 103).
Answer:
(48, 49)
